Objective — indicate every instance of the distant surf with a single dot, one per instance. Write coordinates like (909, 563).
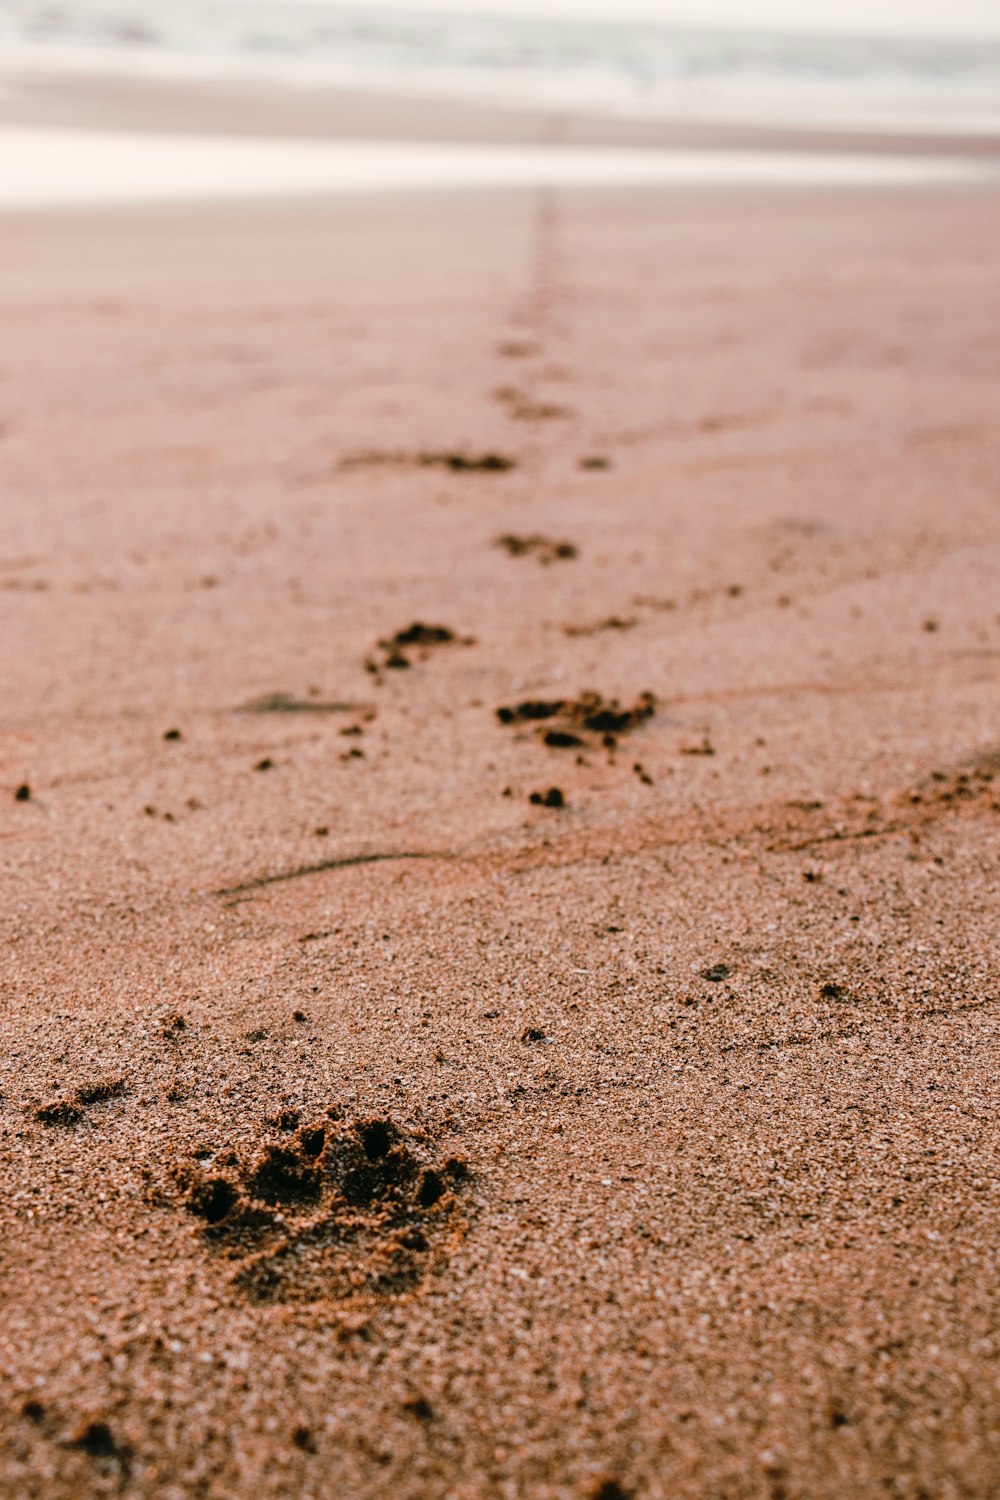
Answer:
(949, 86)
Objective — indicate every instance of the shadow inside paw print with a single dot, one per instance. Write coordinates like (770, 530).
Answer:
(326, 1211)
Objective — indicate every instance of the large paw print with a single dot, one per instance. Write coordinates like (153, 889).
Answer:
(326, 1210)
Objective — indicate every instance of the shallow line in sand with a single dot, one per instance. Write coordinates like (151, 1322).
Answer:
(260, 881)
(287, 703)
(837, 837)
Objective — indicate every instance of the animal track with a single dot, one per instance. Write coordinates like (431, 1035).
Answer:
(327, 1210)
(611, 622)
(973, 781)
(967, 789)
(526, 409)
(566, 723)
(469, 463)
(392, 651)
(456, 462)
(536, 545)
(69, 1111)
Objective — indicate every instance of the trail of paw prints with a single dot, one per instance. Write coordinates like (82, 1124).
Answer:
(328, 1210)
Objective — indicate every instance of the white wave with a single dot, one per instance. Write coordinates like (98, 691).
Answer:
(631, 68)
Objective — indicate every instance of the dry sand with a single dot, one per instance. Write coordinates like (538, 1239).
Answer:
(682, 1181)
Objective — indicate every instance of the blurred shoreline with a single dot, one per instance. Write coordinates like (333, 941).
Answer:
(92, 100)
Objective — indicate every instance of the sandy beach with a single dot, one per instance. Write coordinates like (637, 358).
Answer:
(376, 1121)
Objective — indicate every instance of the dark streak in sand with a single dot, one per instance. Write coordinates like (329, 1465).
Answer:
(286, 703)
(260, 881)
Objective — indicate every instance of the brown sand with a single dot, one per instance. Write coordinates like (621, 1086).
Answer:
(715, 1041)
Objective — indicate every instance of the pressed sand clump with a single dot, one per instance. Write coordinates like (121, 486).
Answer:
(325, 1210)
(396, 652)
(567, 723)
(543, 548)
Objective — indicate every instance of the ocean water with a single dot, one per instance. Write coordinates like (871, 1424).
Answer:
(628, 68)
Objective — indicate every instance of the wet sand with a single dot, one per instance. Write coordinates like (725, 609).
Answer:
(370, 1128)
(231, 106)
